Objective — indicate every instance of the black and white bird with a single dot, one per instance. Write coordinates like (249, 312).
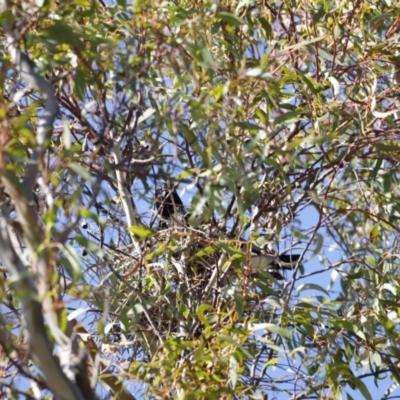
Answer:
(263, 260)
(271, 262)
(170, 208)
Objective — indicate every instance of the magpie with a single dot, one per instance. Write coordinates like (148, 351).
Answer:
(268, 262)
(264, 260)
(170, 208)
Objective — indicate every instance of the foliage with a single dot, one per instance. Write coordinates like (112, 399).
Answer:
(277, 123)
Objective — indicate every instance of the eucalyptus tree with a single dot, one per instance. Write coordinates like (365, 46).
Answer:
(199, 199)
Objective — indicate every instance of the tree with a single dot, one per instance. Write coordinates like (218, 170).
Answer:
(173, 178)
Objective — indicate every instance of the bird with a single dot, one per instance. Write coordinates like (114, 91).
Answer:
(263, 259)
(271, 262)
(170, 208)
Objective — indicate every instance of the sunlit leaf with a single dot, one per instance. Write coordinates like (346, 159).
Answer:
(141, 231)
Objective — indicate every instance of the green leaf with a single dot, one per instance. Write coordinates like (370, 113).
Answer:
(205, 252)
(201, 310)
(378, 18)
(228, 339)
(238, 300)
(89, 245)
(71, 261)
(335, 84)
(260, 73)
(141, 231)
(374, 233)
(325, 55)
(85, 213)
(386, 147)
(263, 116)
(304, 43)
(395, 374)
(66, 134)
(377, 359)
(377, 168)
(288, 118)
(272, 361)
(309, 81)
(234, 251)
(62, 33)
(270, 344)
(231, 19)
(314, 139)
(233, 371)
(208, 58)
(83, 172)
(271, 328)
(356, 275)
(147, 114)
(362, 388)
(266, 26)
(312, 286)
(248, 126)
(157, 252)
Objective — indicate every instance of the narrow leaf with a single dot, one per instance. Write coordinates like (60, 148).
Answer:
(231, 19)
